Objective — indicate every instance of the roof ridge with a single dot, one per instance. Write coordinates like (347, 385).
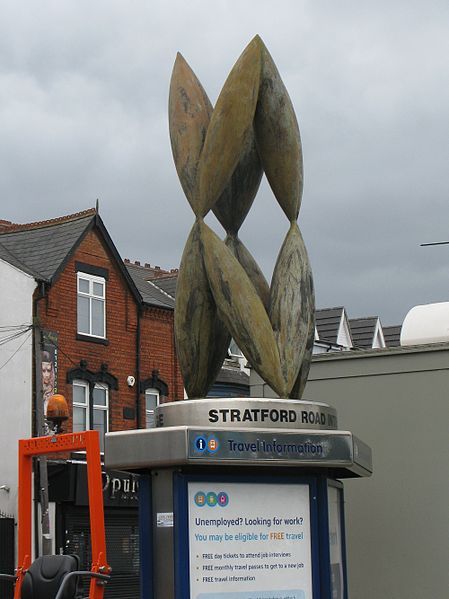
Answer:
(171, 275)
(151, 282)
(363, 318)
(156, 271)
(6, 227)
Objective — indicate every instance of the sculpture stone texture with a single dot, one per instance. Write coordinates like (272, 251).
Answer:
(220, 155)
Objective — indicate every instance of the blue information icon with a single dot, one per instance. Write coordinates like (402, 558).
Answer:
(200, 444)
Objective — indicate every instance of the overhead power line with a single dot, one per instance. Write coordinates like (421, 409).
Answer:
(13, 335)
(17, 350)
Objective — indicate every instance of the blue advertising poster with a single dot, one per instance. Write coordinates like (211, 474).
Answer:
(249, 541)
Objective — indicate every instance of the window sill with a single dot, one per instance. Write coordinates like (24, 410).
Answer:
(80, 337)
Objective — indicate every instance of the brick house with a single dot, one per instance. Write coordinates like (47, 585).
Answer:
(74, 321)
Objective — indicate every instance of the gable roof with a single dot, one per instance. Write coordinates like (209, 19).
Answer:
(42, 248)
(167, 284)
(152, 294)
(363, 331)
(327, 322)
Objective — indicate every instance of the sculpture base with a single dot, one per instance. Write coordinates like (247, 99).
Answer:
(245, 412)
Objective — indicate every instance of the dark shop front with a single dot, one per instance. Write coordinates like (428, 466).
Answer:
(68, 490)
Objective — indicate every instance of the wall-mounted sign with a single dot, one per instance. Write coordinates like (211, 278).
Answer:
(249, 446)
(164, 520)
(49, 366)
(249, 540)
(120, 489)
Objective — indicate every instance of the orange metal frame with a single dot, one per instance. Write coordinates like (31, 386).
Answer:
(29, 448)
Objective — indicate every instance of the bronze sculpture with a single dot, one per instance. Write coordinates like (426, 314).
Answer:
(220, 155)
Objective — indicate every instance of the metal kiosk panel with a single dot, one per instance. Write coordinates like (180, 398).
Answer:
(247, 508)
(337, 541)
(238, 537)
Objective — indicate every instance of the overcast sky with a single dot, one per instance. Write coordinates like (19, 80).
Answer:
(83, 115)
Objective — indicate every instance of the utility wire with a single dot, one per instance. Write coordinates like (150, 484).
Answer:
(55, 343)
(14, 335)
(18, 349)
(16, 332)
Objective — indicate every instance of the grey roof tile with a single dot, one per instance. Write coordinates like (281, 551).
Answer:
(12, 259)
(363, 330)
(327, 321)
(392, 335)
(150, 292)
(167, 284)
(232, 375)
(41, 248)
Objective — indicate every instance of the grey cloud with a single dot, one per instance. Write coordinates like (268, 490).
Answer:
(83, 114)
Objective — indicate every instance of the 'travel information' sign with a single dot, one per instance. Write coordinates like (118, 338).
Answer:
(249, 541)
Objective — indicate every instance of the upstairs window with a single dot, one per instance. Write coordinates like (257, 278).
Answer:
(91, 305)
(151, 403)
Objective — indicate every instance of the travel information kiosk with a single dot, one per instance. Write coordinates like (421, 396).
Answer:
(241, 498)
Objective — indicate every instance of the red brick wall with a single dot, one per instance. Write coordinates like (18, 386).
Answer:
(58, 312)
(158, 351)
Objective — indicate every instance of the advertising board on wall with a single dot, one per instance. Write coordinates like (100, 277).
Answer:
(249, 540)
(49, 365)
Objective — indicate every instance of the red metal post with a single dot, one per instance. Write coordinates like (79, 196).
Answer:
(96, 512)
(89, 441)
(24, 516)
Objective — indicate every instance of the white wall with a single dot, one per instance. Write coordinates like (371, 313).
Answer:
(16, 308)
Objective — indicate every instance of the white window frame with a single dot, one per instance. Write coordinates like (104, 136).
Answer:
(91, 296)
(150, 413)
(96, 407)
(234, 354)
(85, 405)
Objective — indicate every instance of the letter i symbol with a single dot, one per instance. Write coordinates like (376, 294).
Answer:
(200, 444)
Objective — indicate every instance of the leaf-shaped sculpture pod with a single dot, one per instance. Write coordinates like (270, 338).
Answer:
(236, 200)
(229, 128)
(241, 309)
(189, 115)
(290, 299)
(251, 268)
(202, 340)
(300, 383)
(278, 139)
